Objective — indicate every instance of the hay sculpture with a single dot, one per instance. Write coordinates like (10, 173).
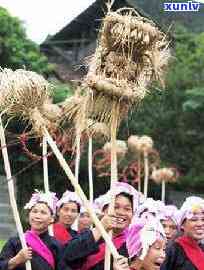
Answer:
(26, 95)
(143, 146)
(16, 93)
(163, 176)
(131, 53)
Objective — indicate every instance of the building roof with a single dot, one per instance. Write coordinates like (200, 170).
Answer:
(89, 19)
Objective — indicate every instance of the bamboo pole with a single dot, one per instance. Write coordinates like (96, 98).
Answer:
(81, 194)
(12, 191)
(114, 179)
(45, 175)
(90, 160)
(146, 177)
(77, 161)
(76, 173)
(45, 165)
(139, 172)
(163, 193)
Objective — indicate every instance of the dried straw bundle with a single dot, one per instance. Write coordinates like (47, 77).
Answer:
(25, 94)
(164, 174)
(97, 130)
(133, 142)
(121, 148)
(140, 144)
(129, 56)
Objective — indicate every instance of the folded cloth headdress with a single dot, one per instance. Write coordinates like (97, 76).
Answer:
(170, 212)
(141, 236)
(189, 208)
(150, 206)
(49, 198)
(69, 196)
(118, 188)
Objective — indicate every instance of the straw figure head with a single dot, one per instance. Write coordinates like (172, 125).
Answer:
(97, 130)
(128, 57)
(169, 175)
(121, 148)
(26, 95)
(133, 143)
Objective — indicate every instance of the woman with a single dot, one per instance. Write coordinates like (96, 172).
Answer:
(146, 245)
(68, 209)
(187, 251)
(87, 250)
(43, 250)
(85, 221)
(169, 220)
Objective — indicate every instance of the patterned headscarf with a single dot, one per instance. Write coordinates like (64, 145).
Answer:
(190, 207)
(69, 196)
(118, 188)
(170, 212)
(49, 198)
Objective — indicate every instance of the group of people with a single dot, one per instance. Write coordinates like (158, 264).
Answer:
(148, 234)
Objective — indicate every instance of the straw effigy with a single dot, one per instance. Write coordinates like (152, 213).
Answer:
(26, 95)
(16, 93)
(131, 53)
(163, 176)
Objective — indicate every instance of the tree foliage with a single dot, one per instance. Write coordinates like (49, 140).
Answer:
(16, 50)
(174, 117)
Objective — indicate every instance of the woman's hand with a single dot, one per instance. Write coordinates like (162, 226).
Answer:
(22, 256)
(121, 264)
(109, 222)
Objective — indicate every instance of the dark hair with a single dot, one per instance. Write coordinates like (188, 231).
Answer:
(124, 194)
(78, 205)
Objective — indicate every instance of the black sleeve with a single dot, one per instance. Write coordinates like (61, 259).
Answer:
(76, 250)
(9, 251)
(176, 259)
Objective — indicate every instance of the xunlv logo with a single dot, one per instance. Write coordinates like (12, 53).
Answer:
(185, 6)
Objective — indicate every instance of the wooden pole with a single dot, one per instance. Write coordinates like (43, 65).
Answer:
(146, 178)
(114, 179)
(163, 191)
(81, 194)
(77, 161)
(90, 160)
(139, 172)
(45, 175)
(12, 191)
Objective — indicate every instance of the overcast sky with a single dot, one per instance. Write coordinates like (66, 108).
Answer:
(43, 17)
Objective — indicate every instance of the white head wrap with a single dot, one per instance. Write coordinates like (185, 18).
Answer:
(190, 207)
(69, 196)
(118, 188)
(49, 198)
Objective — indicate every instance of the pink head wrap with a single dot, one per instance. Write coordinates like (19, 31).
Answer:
(69, 196)
(140, 236)
(49, 198)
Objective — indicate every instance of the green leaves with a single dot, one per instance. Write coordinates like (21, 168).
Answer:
(16, 50)
(195, 100)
